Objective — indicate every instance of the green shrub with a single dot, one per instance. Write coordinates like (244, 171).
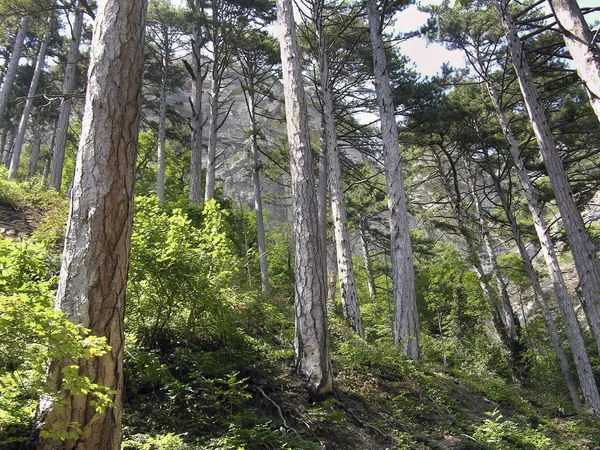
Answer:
(507, 435)
(33, 332)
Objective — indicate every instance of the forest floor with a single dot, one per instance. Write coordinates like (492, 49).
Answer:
(240, 391)
(15, 223)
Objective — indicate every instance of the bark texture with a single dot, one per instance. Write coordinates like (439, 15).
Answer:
(35, 154)
(256, 167)
(195, 194)
(13, 65)
(68, 88)
(561, 355)
(406, 318)
(93, 275)
(20, 139)
(582, 47)
(584, 255)
(209, 190)
(572, 327)
(311, 343)
(349, 294)
(162, 127)
(362, 227)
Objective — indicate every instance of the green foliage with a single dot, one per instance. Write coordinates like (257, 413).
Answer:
(454, 313)
(34, 198)
(167, 441)
(507, 435)
(181, 277)
(280, 243)
(33, 333)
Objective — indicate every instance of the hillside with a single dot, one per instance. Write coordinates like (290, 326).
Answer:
(231, 385)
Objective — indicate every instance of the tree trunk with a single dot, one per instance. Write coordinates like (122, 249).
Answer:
(322, 202)
(509, 318)
(197, 117)
(93, 274)
(260, 225)
(7, 155)
(561, 355)
(565, 305)
(311, 342)
(367, 259)
(209, 191)
(406, 317)
(582, 47)
(20, 139)
(348, 293)
(3, 139)
(13, 65)
(584, 255)
(162, 131)
(473, 254)
(35, 155)
(68, 88)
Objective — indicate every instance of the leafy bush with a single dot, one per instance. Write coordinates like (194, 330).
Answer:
(507, 435)
(33, 332)
(180, 275)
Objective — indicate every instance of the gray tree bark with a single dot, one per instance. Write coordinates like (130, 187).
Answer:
(209, 190)
(35, 154)
(258, 208)
(454, 198)
(322, 202)
(565, 305)
(509, 318)
(93, 274)
(365, 249)
(582, 47)
(311, 342)
(162, 134)
(68, 88)
(20, 139)
(197, 117)
(406, 317)
(349, 295)
(13, 65)
(561, 355)
(7, 154)
(584, 255)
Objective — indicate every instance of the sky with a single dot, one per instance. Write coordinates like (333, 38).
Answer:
(427, 57)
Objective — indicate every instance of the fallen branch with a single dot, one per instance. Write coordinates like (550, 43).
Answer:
(285, 425)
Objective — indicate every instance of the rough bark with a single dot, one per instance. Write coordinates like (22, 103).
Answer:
(406, 318)
(322, 202)
(13, 65)
(509, 318)
(256, 167)
(348, 292)
(209, 190)
(365, 249)
(454, 199)
(68, 88)
(20, 139)
(311, 342)
(162, 129)
(93, 274)
(582, 47)
(35, 155)
(561, 355)
(572, 327)
(584, 255)
(7, 155)
(195, 194)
